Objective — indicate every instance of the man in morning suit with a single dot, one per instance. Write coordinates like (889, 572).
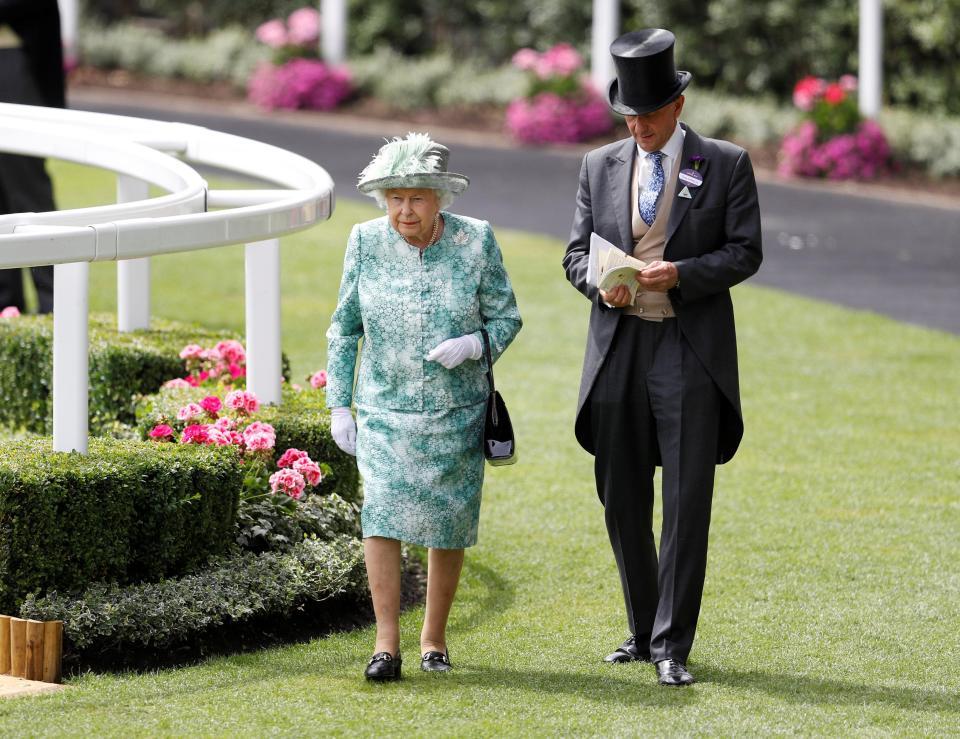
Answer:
(31, 73)
(659, 384)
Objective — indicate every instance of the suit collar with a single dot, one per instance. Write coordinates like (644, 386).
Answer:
(620, 171)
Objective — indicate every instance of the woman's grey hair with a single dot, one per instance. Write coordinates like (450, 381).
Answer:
(444, 197)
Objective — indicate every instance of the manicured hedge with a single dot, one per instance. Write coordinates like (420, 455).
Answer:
(301, 421)
(232, 589)
(122, 366)
(126, 512)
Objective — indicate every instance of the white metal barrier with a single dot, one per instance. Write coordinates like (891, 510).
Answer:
(143, 153)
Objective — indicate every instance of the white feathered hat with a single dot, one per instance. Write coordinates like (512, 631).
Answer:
(415, 161)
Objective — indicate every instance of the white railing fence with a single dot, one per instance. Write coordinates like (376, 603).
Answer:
(143, 153)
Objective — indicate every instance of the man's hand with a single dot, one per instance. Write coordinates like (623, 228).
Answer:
(658, 277)
(619, 297)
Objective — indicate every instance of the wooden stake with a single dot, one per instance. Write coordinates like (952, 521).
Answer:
(18, 646)
(33, 662)
(4, 645)
(52, 651)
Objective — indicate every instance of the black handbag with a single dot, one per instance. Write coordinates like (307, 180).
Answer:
(499, 446)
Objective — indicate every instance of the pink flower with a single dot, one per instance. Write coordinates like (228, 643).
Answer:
(219, 437)
(203, 376)
(243, 401)
(309, 469)
(191, 381)
(231, 351)
(176, 382)
(290, 456)
(236, 371)
(806, 92)
(525, 59)
(288, 482)
(563, 60)
(189, 411)
(161, 431)
(210, 355)
(848, 82)
(11, 311)
(318, 379)
(259, 436)
(224, 423)
(211, 404)
(548, 118)
(834, 94)
(196, 434)
(272, 33)
(304, 25)
(191, 351)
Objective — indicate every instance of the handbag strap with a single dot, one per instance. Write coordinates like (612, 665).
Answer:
(489, 358)
(486, 354)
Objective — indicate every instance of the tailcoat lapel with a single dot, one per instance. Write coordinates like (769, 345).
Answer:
(691, 147)
(620, 172)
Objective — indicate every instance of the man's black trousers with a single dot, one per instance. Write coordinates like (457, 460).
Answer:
(654, 403)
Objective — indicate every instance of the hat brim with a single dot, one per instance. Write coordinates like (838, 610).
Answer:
(450, 181)
(614, 101)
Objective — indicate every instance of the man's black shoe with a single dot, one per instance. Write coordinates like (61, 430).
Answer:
(673, 673)
(628, 652)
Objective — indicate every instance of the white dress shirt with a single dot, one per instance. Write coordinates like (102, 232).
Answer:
(671, 153)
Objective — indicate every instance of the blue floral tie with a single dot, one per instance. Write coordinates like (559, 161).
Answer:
(648, 198)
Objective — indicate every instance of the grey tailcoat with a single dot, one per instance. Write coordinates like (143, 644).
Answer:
(714, 240)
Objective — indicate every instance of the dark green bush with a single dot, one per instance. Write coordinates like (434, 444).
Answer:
(126, 512)
(262, 526)
(231, 589)
(301, 422)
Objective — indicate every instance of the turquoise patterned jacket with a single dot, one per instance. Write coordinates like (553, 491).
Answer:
(402, 303)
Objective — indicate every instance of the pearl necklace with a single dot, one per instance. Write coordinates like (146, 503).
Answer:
(433, 236)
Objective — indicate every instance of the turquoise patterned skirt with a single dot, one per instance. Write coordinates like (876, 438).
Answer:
(422, 474)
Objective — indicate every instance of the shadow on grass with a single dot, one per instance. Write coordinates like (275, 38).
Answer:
(804, 689)
(496, 595)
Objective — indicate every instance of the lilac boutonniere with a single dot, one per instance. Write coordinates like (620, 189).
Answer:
(696, 160)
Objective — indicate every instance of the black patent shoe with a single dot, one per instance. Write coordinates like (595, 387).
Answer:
(673, 673)
(628, 652)
(435, 662)
(383, 666)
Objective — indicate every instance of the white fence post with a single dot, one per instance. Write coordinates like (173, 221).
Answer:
(333, 30)
(870, 76)
(133, 275)
(71, 287)
(605, 28)
(262, 260)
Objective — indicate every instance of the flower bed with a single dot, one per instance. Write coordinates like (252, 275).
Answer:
(560, 105)
(833, 141)
(295, 78)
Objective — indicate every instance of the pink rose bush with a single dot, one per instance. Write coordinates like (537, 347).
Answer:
(225, 363)
(561, 105)
(255, 440)
(11, 311)
(832, 141)
(296, 78)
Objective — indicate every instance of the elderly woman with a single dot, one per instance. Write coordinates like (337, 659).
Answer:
(419, 287)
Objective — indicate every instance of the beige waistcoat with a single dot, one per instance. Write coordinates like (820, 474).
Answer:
(649, 242)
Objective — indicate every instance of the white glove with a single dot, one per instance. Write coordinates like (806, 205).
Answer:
(453, 352)
(343, 429)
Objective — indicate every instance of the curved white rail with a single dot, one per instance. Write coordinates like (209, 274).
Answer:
(145, 152)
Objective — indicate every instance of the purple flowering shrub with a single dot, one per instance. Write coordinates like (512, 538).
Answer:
(833, 141)
(296, 78)
(299, 83)
(561, 105)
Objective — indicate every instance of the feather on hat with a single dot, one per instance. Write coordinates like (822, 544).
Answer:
(416, 161)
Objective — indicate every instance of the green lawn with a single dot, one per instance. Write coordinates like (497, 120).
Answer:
(832, 595)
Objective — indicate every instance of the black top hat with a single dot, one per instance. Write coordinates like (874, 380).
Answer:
(646, 76)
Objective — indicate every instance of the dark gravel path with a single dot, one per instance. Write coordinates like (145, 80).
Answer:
(899, 258)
